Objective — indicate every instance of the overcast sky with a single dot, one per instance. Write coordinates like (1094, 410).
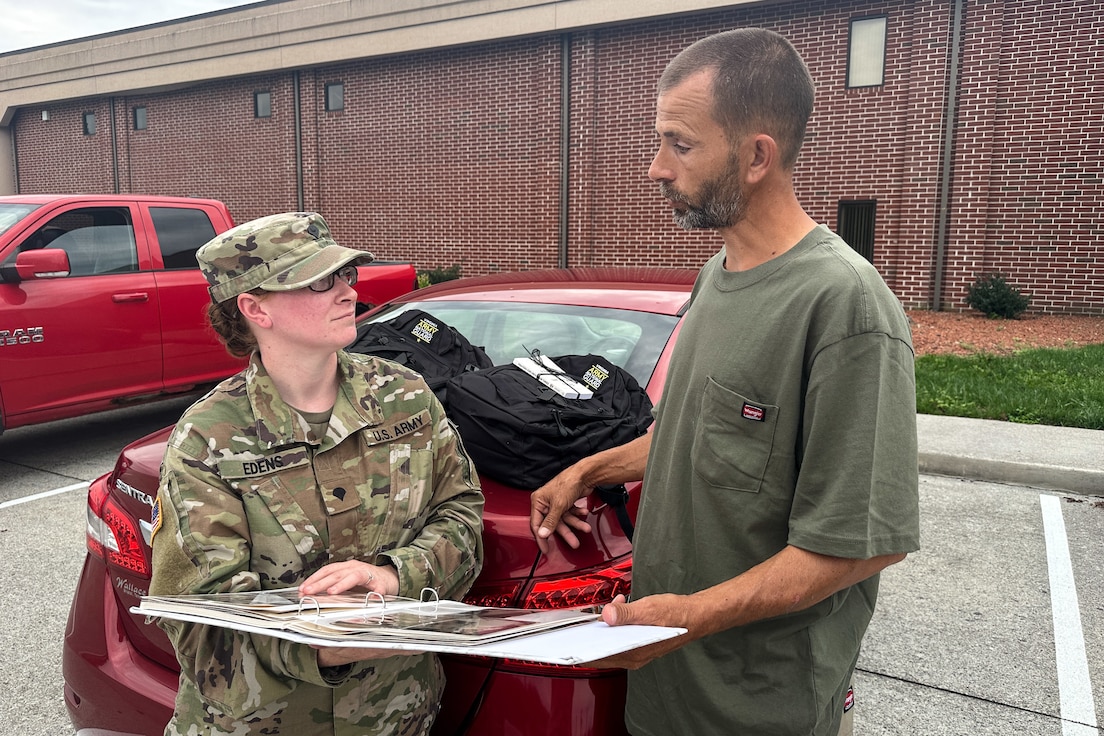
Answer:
(27, 23)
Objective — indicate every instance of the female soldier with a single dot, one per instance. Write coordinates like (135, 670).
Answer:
(314, 468)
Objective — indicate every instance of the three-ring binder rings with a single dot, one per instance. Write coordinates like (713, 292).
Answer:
(561, 636)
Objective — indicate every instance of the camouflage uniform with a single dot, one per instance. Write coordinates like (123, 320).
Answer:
(251, 499)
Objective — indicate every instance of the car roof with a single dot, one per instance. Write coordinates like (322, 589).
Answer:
(659, 290)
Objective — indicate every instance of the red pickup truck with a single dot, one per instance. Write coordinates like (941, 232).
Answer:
(102, 302)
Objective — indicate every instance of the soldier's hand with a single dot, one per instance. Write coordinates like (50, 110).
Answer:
(336, 656)
(337, 577)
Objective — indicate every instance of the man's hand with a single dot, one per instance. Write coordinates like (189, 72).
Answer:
(555, 507)
(655, 610)
(791, 580)
(559, 507)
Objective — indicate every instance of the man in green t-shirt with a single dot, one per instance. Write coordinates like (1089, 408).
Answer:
(781, 475)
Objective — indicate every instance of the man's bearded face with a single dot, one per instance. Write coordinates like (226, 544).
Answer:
(720, 202)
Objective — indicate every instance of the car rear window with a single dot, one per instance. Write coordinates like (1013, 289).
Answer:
(507, 330)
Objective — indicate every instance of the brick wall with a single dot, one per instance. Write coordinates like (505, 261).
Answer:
(453, 156)
(55, 155)
(1029, 203)
(448, 158)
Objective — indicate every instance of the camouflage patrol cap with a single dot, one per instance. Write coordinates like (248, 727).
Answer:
(275, 253)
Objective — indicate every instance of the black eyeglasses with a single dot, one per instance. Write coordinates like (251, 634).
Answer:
(348, 274)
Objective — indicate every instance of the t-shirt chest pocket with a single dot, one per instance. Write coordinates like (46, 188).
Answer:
(734, 439)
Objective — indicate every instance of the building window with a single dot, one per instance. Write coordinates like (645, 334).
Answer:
(335, 96)
(89, 123)
(866, 52)
(262, 104)
(139, 118)
(855, 224)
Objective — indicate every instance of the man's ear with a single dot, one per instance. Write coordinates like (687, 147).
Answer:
(252, 308)
(763, 155)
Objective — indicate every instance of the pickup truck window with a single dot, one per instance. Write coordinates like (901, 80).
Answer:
(181, 231)
(13, 213)
(97, 240)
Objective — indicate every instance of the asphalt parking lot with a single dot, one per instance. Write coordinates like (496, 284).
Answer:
(964, 640)
(44, 474)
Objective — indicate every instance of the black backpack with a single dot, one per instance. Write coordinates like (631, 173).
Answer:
(521, 433)
(424, 343)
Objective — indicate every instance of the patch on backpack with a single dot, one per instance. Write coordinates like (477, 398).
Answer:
(425, 330)
(596, 375)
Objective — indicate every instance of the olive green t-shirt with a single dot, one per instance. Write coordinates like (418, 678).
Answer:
(788, 418)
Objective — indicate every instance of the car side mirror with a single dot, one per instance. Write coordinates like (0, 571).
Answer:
(44, 263)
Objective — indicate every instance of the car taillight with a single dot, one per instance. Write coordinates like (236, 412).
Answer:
(592, 588)
(111, 533)
(503, 595)
(595, 587)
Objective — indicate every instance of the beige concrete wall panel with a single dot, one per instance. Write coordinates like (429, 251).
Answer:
(290, 35)
(7, 163)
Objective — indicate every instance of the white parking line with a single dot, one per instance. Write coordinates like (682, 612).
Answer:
(44, 494)
(1075, 694)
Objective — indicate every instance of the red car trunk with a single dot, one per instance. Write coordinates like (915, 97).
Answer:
(514, 574)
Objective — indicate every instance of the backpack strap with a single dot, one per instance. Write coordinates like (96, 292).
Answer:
(617, 497)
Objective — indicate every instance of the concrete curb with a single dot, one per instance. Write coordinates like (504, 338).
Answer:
(1072, 480)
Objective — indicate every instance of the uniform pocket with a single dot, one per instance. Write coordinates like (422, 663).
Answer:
(734, 439)
(411, 483)
(283, 538)
(398, 498)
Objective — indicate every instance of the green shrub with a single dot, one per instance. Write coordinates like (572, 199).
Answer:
(437, 275)
(991, 295)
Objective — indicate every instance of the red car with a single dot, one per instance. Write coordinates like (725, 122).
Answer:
(120, 672)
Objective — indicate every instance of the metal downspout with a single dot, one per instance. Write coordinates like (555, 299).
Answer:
(947, 157)
(15, 167)
(114, 149)
(295, 95)
(565, 144)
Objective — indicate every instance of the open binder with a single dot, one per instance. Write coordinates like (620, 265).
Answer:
(560, 636)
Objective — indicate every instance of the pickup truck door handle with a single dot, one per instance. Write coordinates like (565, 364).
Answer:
(134, 296)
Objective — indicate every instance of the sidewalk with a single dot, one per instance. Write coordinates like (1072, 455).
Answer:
(1059, 458)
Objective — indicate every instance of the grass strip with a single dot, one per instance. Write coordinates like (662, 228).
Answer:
(1059, 387)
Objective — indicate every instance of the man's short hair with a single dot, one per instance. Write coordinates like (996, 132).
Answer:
(761, 84)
